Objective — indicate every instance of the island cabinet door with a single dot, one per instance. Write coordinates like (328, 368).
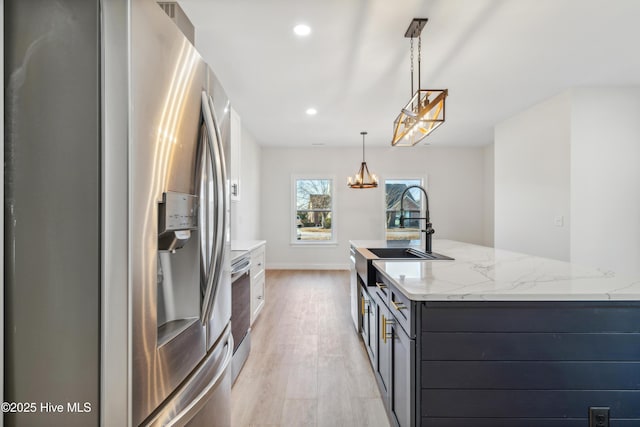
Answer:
(364, 314)
(402, 397)
(384, 339)
(368, 322)
(367, 310)
(372, 342)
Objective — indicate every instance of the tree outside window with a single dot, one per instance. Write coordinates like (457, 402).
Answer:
(412, 209)
(314, 210)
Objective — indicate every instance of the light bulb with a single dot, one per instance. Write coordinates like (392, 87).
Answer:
(302, 30)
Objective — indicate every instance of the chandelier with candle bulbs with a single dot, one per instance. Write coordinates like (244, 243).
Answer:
(363, 178)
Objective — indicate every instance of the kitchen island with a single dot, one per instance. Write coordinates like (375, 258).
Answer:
(497, 338)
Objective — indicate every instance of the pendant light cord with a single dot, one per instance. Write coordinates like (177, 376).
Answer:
(419, 59)
(411, 44)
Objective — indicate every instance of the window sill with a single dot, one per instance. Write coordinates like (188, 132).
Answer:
(312, 244)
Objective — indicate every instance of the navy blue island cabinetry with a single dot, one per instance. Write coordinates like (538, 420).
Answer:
(527, 363)
(499, 339)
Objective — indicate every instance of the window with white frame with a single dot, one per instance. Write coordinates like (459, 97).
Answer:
(313, 210)
(413, 208)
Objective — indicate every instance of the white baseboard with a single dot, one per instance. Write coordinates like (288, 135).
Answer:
(290, 266)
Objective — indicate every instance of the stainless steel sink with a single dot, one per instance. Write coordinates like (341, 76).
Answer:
(406, 253)
(366, 256)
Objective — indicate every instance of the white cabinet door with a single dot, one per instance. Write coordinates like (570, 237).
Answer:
(257, 281)
(257, 295)
(236, 146)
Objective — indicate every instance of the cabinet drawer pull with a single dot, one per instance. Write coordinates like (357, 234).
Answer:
(381, 285)
(362, 305)
(398, 305)
(383, 331)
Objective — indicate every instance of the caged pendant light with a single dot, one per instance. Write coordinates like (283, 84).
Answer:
(363, 179)
(424, 113)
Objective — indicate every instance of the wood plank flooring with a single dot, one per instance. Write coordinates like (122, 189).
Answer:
(307, 366)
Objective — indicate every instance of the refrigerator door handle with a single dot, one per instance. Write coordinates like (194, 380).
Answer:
(218, 165)
(203, 397)
(222, 195)
(209, 266)
(196, 403)
(207, 251)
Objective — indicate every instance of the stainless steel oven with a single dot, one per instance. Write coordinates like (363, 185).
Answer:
(240, 310)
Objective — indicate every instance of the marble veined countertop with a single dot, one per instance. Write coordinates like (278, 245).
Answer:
(384, 244)
(480, 273)
(246, 245)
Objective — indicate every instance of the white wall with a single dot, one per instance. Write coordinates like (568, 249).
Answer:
(489, 198)
(245, 213)
(532, 180)
(605, 178)
(575, 155)
(455, 187)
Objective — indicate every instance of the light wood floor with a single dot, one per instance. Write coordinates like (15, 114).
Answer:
(307, 366)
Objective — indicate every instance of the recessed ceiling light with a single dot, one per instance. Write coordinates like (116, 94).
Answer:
(311, 111)
(302, 30)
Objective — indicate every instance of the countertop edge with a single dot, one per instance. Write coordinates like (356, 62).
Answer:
(246, 245)
(541, 280)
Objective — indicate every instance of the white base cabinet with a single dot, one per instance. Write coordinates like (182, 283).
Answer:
(257, 280)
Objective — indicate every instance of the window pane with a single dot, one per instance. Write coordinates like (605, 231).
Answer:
(314, 209)
(412, 205)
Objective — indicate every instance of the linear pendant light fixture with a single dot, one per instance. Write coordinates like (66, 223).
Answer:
(363, 179)
(424, 113)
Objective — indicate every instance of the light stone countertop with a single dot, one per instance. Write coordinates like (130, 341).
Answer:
(480, 273)
(383, 244)
(246, 245)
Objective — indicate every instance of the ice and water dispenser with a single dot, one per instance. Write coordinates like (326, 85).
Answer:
(177, 218)
(179, 301)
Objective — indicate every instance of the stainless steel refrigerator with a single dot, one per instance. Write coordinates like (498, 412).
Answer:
(116, 252)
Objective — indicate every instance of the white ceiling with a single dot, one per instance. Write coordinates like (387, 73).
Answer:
(496, 57)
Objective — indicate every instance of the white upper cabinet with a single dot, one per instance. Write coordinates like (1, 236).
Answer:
(236, 144)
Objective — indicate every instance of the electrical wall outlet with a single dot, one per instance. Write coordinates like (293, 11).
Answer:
(558, 221)
(599, 416)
